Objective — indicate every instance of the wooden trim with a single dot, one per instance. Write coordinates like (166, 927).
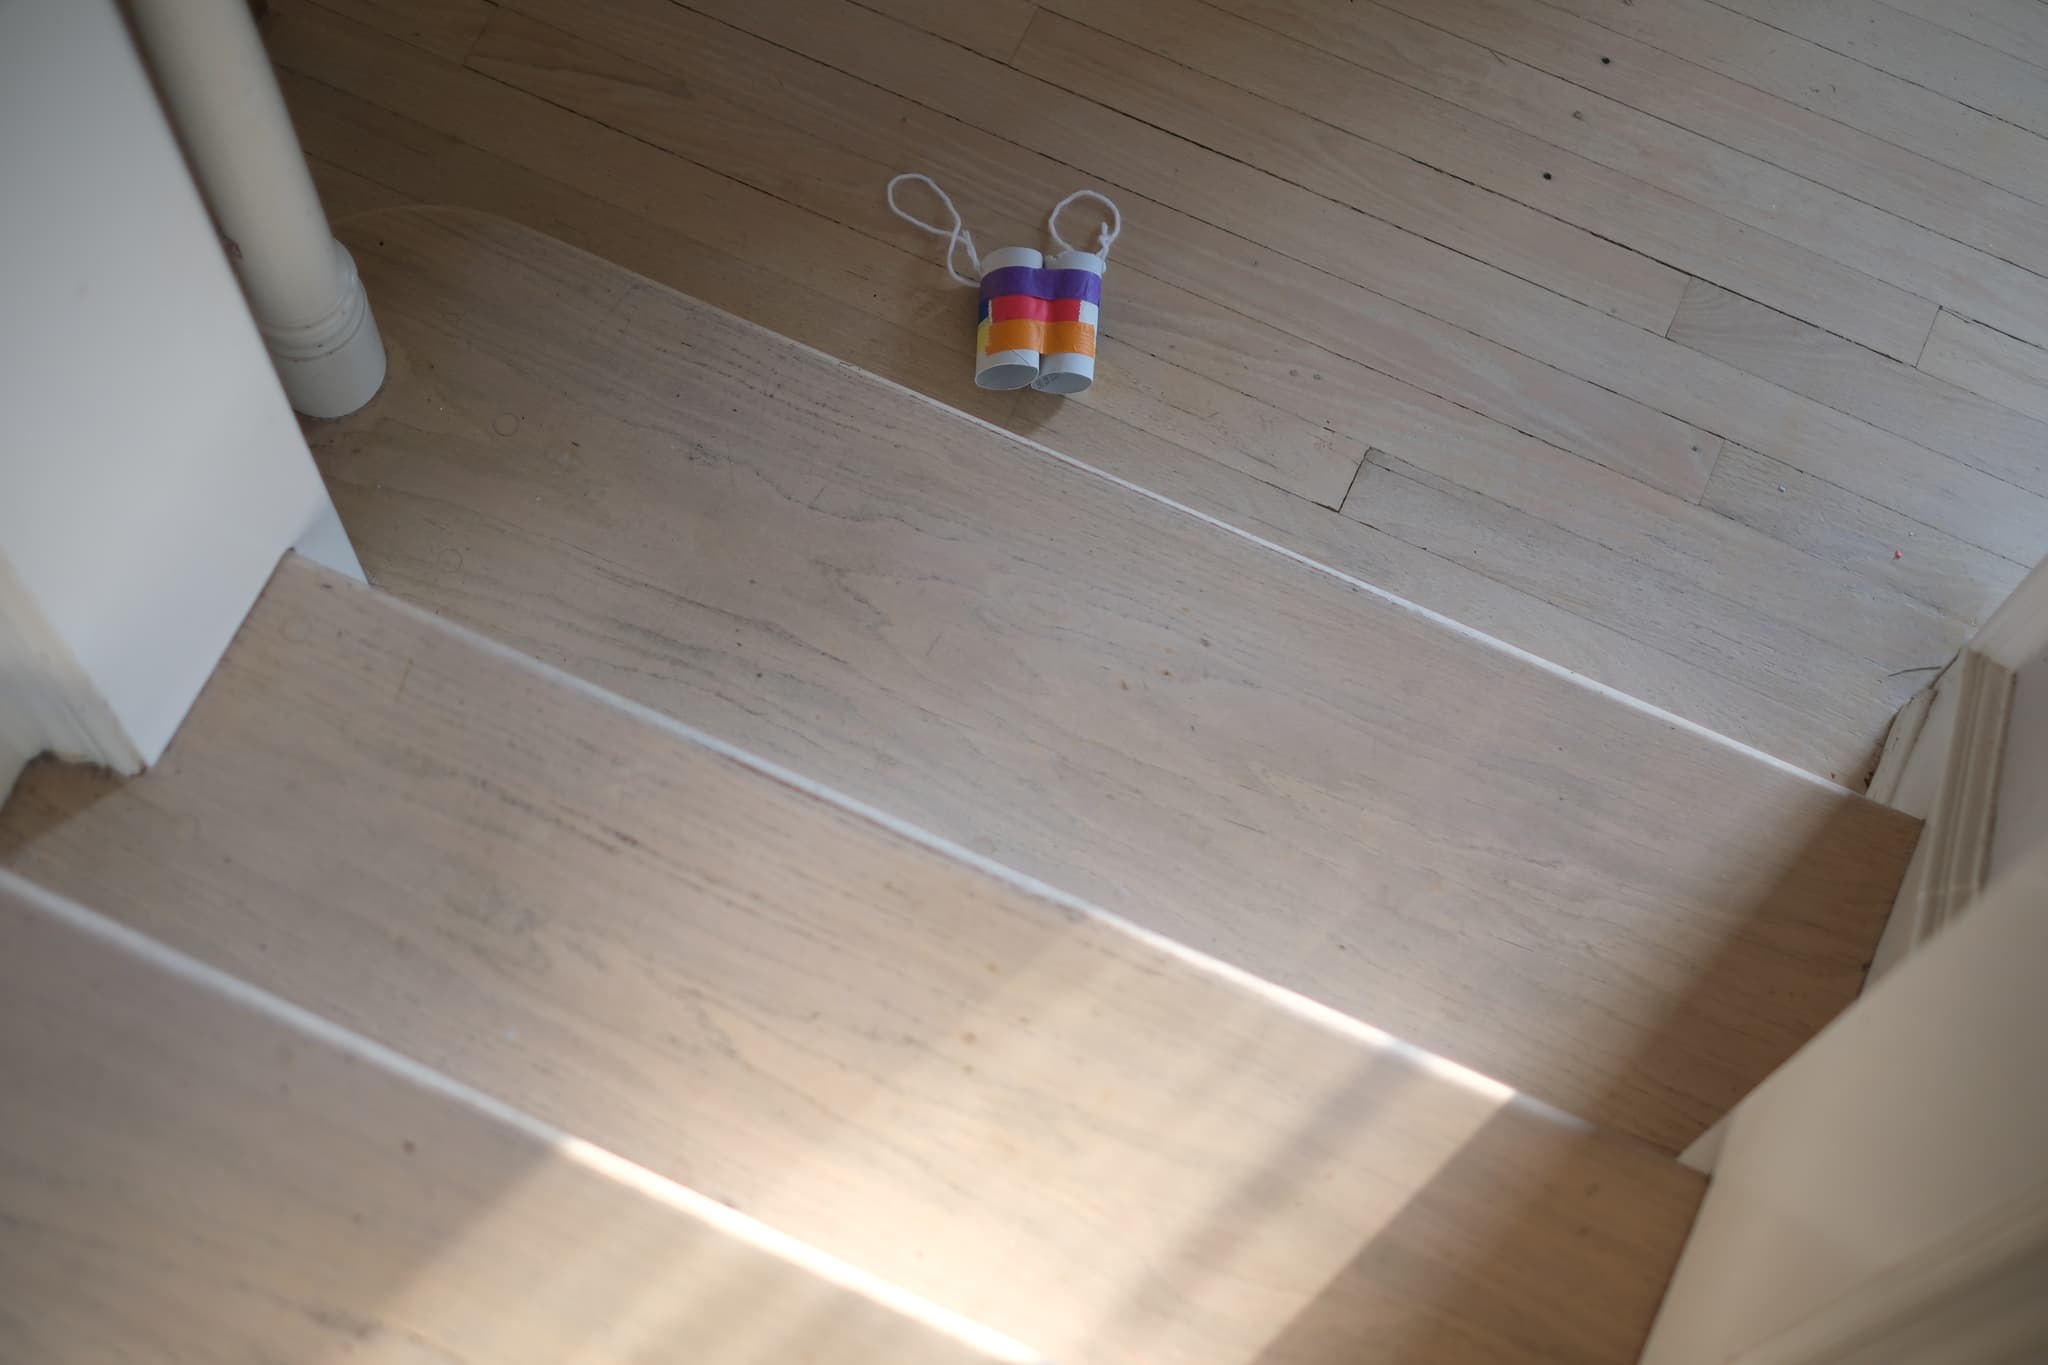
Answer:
(1969, 792)
(2018, 630)
(1972, 1300)
(1898, 746)
(1964, 734)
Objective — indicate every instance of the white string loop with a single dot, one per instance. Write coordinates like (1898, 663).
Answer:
(1104, 235)
(956, 235)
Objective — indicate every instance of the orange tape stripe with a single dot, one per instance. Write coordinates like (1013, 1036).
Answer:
(1046, 338)
(1069, 338)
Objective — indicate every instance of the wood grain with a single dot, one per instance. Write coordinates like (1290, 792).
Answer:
(1215, 419)
(198, 1172)
(694, 225)
(1389, 177)
(1746, 209)
(1364, 327)
(344, 193)
(991, 27)
(1087, 685)
(445, 28)
(1613, 74)
(1676, 614)
(1897, 398)
(1826, 82)
(745, 173)
(2016, 27)
(1321, 270)
(1975, 75)
(1015, 1107)
(1499, 463)
(1671, 380)
(1283, 97)
(1861, 536)
(1990, 364)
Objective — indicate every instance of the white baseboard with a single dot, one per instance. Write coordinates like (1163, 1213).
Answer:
(2018, 630)
(1973, 1300)
(1948, 774)
(1899, 742)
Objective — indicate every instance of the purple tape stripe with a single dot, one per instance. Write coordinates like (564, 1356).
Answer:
(1035, 283)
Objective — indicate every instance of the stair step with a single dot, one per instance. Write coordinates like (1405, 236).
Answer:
(192, 1170)
(1590, 900)
(1004, 1101)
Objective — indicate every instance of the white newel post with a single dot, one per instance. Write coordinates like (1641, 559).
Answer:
(210, 68)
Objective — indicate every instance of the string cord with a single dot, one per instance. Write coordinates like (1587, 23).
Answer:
(956, 235)
(1105, 235)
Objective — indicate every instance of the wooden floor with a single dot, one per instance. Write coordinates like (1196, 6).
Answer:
(197, 1172)
(1620, 916)
(1015, 1107)
(1694, 345)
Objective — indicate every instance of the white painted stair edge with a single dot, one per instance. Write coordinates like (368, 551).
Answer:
(141, 1080)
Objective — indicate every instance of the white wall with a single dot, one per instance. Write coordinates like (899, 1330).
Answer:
(152, 472)
(1919, 1115)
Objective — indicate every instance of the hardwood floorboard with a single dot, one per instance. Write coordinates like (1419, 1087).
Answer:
(1961, 581)
(1397, 174)
(1973, 74)
(2016, 27)
(804, 246)
(1282, 97)
(1989, 364)
(1012, 652)
(1826, 82)
(1845, 376)
(195, 1172)
(1720, 193)
(1826, 602)
(991, 27)
(425, 162)
(1222, 422)
(1608, 70)
(344, 193)
(1017, 1108)
(1676, 613)
(611, 88)
(1683, 385)
(1316, 299)
(445, 28)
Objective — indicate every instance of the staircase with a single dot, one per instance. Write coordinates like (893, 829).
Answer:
(780, 869)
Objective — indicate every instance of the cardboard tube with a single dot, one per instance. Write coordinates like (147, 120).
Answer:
(1016, 366)
(1068, 366)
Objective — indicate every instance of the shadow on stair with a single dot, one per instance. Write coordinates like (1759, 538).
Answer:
(1557, 1232)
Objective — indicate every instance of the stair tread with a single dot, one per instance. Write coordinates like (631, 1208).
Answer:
(196, 1172)
(1011, 1105)
(1610, 911)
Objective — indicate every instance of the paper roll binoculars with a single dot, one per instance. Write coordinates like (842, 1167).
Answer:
(1036, 329)
(1037, 326)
